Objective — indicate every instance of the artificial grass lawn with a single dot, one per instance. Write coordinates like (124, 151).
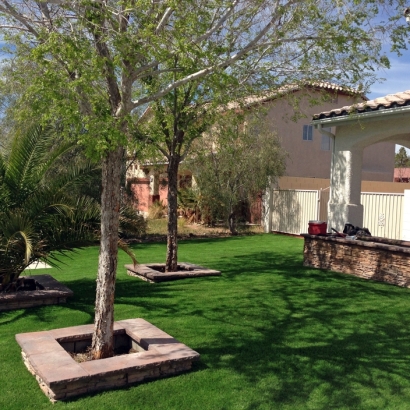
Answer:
(272, 334)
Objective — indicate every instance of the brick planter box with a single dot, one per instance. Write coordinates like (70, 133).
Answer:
(365, 259)
(154, 354)
(152, 272)
(51, 292)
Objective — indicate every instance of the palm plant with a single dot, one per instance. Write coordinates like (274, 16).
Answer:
(41, 214)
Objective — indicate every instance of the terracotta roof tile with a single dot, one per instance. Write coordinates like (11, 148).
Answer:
(399, 99)
(270, 95)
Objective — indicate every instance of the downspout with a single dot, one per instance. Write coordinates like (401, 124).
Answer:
(332, 162)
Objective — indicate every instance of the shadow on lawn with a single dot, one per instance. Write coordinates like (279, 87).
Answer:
(298, 335)
(330, 339)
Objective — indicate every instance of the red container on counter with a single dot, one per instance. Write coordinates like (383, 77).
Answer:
(317, 228)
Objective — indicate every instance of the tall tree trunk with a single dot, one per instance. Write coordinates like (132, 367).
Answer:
(102, 343)
(171, 264)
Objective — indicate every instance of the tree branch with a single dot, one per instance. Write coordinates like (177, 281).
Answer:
(8, 9)
(165, 18)
(219, 23)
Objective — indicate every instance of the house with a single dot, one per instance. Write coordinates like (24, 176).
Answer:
(401, 175)
(309, 150)
(382, 207)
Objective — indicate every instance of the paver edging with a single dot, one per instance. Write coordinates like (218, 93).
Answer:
(61, 377)
(148, 272)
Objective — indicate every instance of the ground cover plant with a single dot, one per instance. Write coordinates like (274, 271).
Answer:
(157, 230)
(272, 334)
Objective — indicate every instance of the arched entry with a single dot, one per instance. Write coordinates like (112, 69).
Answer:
(356, 127)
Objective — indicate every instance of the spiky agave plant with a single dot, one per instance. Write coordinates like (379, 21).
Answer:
(40, 214)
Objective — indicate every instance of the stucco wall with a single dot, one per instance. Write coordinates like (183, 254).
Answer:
(306, 158)
(323, 183)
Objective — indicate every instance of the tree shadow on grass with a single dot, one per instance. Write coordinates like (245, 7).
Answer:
(312, 333)
(298, 335)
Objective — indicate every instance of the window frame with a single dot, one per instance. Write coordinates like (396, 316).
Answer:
(307, 134)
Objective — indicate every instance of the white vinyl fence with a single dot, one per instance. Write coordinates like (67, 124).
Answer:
(383, 214)
(293, 209)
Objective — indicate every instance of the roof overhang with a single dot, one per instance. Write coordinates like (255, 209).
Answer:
(363, 116)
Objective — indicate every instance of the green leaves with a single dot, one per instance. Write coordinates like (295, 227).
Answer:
(39, 210)
(237, 160)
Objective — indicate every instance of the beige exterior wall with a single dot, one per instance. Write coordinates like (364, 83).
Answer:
(324, 183)
(307, 158)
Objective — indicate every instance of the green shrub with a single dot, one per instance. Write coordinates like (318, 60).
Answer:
(156, 210)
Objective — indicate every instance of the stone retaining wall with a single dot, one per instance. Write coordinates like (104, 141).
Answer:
(368, 260)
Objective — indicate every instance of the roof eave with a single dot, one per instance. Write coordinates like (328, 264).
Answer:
(362, 116)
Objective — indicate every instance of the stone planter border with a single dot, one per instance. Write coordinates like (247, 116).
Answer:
(61, 377)
(53, 293)
(148, 272)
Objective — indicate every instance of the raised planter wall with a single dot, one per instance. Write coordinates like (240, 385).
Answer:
(52, 292)
(369, 260)
(155, 272)
(155, 354)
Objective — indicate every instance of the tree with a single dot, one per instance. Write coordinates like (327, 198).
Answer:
(175, 122)
(236, 161)
(89, 63)
(401, 159)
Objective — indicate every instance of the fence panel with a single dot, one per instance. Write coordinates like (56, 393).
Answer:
(383, 214)
(293, 209)
(324, 196)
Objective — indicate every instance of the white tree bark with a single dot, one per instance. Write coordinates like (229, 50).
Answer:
(102, 344)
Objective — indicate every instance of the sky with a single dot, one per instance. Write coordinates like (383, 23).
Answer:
(397, 77)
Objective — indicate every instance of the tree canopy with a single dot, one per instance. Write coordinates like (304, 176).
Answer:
(237, 160)
(401, 159)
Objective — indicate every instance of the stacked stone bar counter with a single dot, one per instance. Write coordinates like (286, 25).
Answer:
(373, 258)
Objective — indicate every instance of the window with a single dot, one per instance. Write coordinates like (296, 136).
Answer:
(325, 146)
(308, 133)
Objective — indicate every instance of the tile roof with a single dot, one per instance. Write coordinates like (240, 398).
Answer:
(390, 101)
(287, 89)
(269, 95)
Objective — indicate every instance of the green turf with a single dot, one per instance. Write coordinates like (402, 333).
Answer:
(272, 334)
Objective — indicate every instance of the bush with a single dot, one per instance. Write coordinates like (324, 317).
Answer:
(41, 214)
(132, 223)
(156, 210)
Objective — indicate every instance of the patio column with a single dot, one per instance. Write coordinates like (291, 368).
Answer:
(345, 187)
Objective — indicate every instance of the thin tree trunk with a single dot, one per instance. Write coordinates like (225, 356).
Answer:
(102, 343)
(232, 223)
(171, 264)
